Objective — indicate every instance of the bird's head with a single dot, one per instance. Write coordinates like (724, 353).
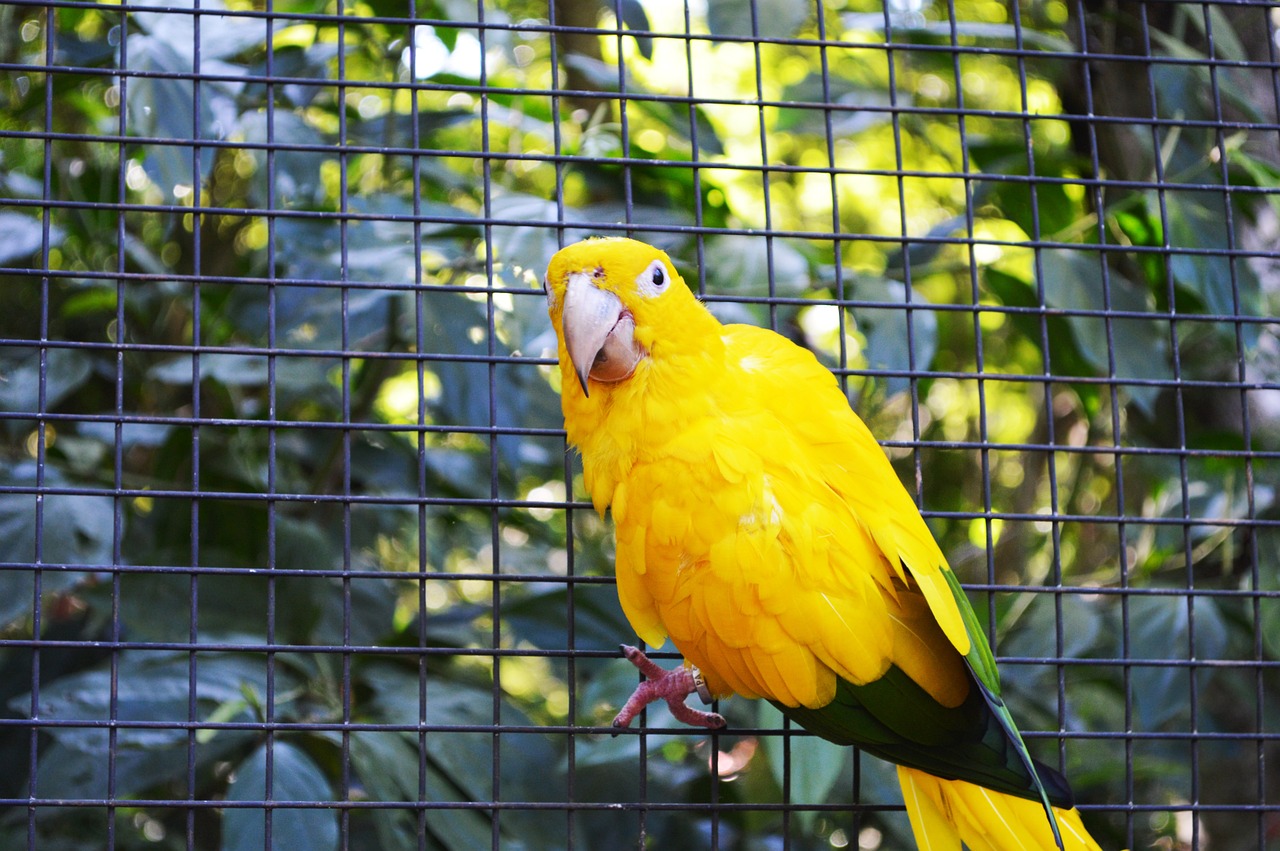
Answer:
(607, 298)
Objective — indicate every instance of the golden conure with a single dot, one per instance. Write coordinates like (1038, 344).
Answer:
(760, 526)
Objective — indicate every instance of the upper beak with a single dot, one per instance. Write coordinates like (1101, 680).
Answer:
(599, 333)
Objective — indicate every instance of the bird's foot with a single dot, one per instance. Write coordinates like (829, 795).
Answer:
(673, 686)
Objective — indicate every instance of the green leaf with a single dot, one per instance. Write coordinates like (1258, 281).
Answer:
(368, 613)
(1073, 280)
(389, 765)
(65, 370)
(921, 254)
(147, 686)
(164, 106)
(741, 265)
(77, 530)
(915, 29)
(529, 246)
(890, 339)
(1036, 631)
(297, 172)
(601, 139)
(772, 18)
(539, 616)
(22, 236)
(1198, 220)
(228, 370)
(675, 118)
(813, 93)
(221, 36)
(815, 763)
(633, 15)
(1162, 630)
(295, 777)
(1268, 549)
(149, 435)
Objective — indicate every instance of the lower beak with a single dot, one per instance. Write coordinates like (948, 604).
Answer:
(599, 333)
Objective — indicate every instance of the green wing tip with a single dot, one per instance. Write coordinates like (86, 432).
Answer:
(982, 664)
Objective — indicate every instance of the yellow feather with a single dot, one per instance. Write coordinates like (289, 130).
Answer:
(631, 549)
(679, 621)
(984, 820)
(923, 652)
(619, 506)
(735, 671)
(932, 829)
(668, 522)
(774, 682)
(644, 619)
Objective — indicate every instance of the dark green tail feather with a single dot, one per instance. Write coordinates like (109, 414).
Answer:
(895, 719)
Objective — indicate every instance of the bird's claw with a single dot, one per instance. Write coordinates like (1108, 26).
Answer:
(673, 686)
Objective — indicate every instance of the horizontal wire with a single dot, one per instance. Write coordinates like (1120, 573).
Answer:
(478, 220)
(578, 806)
(559, 433)
(186, 725)
(380, 650)
(538, 28)
(416, 500)
(443, 289)
(704, 164)
(524, 578)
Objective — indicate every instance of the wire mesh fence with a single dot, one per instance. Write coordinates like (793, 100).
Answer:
(293, 554)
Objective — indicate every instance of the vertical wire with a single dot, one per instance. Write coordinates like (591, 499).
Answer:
(1116, 427)
(272, 402)
(117, 461)
(1246, 430)
(1270, 24)
(1179, 406)
(837, 243)
(979, 363)
(571, 663)
(624, 120)
(764, 172)
(420, 376)
(495, 537)
(344, 245)
(695, 151)
(1051, 460)
(197, 268)
(903, 227)
(42, 400)
(642, 812)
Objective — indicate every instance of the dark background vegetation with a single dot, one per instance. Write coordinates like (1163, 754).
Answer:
(285, 511)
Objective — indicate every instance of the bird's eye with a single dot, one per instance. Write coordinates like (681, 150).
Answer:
(654, 279)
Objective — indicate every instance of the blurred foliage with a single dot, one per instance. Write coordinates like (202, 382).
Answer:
(358, 384)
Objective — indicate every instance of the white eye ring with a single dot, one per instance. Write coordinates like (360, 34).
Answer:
(654, 279)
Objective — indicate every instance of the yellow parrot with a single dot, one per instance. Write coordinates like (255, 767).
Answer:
(760, 526)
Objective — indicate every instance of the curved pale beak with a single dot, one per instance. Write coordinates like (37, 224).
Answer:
(599, 333)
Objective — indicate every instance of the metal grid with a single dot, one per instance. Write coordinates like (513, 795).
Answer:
(292, 554)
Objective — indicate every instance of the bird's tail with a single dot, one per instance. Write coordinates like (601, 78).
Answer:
(945, 813)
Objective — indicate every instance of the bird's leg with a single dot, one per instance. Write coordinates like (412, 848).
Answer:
(673, 686)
